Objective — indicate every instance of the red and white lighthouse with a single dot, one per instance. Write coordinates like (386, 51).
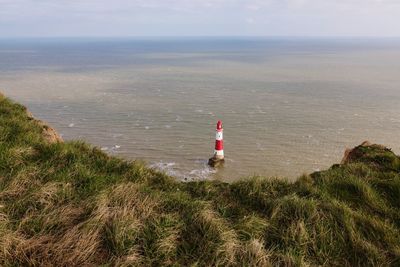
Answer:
(219, 142)
(218, 158)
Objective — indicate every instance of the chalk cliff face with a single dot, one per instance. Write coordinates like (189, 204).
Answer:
(49, 133)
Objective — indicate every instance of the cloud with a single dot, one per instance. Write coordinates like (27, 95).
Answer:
(199, 17)
(250, 20)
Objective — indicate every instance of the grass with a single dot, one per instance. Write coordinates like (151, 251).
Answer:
(69, 204)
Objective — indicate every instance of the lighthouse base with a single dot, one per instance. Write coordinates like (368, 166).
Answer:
(216, 162)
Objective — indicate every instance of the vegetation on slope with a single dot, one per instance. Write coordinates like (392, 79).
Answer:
(69, 204)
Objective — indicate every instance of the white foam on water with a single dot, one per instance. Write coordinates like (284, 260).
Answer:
(117, 135)
(173, 169)
(166, 167)
(260, 110)
(260, 147)
(71, 125)
(203, 173)
(200, 161)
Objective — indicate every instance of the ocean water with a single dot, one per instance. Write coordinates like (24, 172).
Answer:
(289, 106)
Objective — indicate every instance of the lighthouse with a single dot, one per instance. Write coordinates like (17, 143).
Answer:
(218, 158)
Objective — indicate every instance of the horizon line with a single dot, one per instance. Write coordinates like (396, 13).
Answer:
(201, 36)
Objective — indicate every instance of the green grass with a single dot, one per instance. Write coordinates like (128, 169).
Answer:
(69, 204)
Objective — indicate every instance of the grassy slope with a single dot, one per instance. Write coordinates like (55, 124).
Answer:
(71, 204)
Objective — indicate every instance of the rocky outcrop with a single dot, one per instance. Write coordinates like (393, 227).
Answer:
(216, 162)
(352, 154)
(49, 134)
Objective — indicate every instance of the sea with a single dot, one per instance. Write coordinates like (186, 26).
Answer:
(289, 106)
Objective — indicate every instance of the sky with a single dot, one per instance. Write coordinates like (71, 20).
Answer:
(55, 18)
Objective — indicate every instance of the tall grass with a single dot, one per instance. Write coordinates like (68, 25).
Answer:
(69, 204)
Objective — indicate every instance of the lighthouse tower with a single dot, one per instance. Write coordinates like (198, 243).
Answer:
(218, 158)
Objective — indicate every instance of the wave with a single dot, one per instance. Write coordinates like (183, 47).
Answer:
(204, 172)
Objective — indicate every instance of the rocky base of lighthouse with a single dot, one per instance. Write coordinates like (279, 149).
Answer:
(216, 162)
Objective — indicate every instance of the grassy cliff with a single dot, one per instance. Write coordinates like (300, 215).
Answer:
(69, 204)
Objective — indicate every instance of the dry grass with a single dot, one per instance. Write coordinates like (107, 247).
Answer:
(69, 204)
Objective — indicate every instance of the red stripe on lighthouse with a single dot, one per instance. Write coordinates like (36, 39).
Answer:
(219, 145)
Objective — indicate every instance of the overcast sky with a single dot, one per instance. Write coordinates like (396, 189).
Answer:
(199, 17)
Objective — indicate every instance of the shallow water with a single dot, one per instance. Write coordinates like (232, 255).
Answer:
(289, 106)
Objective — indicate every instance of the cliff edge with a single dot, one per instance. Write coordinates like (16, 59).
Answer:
(70, 204)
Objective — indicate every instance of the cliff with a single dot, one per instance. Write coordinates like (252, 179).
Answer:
(70, 204)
